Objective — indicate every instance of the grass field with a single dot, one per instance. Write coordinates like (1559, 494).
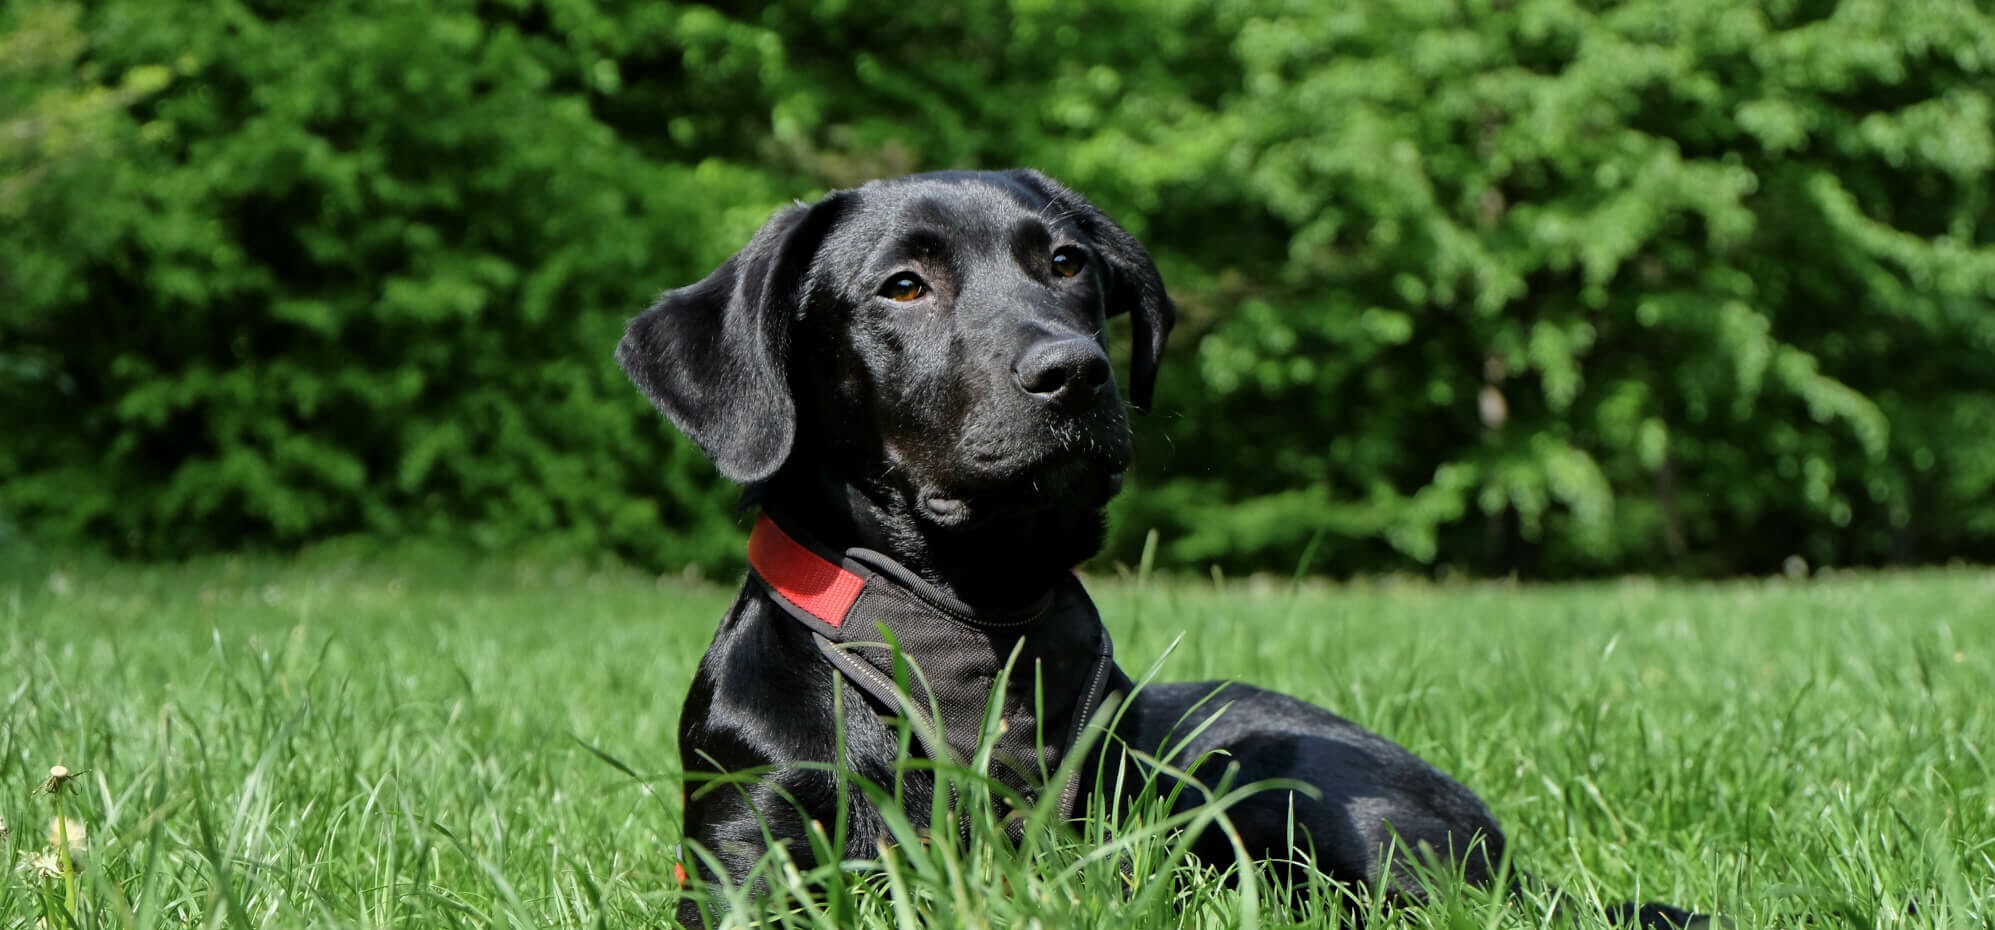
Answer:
(326, 742)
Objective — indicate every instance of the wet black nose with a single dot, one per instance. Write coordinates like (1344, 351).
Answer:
(1064, 373)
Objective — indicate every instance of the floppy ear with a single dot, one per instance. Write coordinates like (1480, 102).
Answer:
(714, 356)
(1134, 286)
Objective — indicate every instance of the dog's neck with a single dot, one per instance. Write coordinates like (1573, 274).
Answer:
(1003, 562)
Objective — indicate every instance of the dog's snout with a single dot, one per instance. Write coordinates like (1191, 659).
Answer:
(1064, 373)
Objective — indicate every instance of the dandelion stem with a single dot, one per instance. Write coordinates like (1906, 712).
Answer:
(62, 848)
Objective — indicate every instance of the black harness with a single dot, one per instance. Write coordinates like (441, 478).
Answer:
(856, 601)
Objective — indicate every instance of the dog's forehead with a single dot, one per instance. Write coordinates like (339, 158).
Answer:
(952, 210)
(955, 206)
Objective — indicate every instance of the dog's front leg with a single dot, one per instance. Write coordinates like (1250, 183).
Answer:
(772, 752)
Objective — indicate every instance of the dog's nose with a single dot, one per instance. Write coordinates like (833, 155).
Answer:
(1064, 373)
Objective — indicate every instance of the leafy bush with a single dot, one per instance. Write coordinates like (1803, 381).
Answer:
(1542, 286)
(358, 272)
(1577, 287)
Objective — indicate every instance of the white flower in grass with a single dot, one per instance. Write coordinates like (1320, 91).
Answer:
(74, 829)
(41, 866)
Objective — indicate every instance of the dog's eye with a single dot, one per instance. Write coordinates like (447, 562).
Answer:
(903, 288)
(1068, 261)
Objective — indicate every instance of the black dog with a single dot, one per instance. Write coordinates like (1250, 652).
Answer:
(910, 378)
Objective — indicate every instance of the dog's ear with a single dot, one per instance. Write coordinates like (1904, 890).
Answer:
(1134, 286)
(714, 356)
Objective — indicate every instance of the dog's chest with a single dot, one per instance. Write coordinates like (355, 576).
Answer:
(1044, 677)
(1043, 671)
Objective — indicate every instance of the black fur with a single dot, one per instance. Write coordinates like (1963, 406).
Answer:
(971, 433)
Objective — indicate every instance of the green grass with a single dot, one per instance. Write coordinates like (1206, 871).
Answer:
(328, 742)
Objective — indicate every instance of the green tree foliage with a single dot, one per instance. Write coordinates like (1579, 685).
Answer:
(1547, 286)
(1588, 286)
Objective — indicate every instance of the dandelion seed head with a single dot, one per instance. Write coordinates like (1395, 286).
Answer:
(75, 830)
(41, 866)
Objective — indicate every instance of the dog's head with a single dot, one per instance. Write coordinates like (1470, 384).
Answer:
(936, 340)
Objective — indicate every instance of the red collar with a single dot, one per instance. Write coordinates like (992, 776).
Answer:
(810, 581)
